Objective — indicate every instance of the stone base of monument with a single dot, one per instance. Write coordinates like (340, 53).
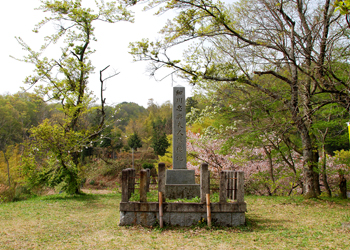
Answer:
(180, 184)
(229, 211)
(181, 191)
(181, 214)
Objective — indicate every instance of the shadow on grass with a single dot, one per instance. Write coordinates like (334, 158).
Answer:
(263, 224)
(251, 225)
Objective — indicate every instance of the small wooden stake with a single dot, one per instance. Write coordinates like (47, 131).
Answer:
(208, 210)
(160, 197)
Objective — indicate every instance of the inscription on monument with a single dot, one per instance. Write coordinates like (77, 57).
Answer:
(179, 128)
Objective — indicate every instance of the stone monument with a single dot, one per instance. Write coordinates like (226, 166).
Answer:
(180, 182)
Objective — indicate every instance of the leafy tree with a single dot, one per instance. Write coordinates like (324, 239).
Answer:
(190, 103)
(160, 141)
(343, 6)
(53, 156)
(134, 141)
(18, 113)
(296, 43)
(117, 140)
(10, 130)
(167, 158)
(126, 111)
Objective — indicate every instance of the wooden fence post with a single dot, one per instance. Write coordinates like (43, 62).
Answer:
(208, 209)
(130, 182)
(148, 179)
(133, 176)
(205, 182)
(160, 199)
(222, 191)
(234, 193)
(125, 185)
(161, 179)
(143, 185)
(240, 186)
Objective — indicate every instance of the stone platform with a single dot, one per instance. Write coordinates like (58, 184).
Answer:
(181, 214)
(181, 191)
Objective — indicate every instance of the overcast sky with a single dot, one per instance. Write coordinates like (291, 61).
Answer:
(133, 84)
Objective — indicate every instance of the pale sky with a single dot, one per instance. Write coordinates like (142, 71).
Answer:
(133, 84)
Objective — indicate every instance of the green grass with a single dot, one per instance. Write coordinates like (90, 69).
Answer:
(91, 222)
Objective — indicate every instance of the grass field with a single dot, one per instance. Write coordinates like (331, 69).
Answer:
(91, 222)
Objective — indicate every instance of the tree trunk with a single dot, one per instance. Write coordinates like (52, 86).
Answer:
(8, 169)
(324, 175)
(73, 183)
(342, 185)
(316, 172)
(308, 168)
(270, 164)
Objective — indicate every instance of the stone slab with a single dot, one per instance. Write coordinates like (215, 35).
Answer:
(180, 218)
(180, 176)
(182, 191)
(233, 207)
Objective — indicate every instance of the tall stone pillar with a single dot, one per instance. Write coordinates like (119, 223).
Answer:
(179, 128)
(180, 182)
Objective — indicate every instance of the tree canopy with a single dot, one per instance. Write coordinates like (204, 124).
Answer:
(301, 46)
(65, 79)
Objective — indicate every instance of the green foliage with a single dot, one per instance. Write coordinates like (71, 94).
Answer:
(134, 141)
(343, 158)
(240, 59)
(191, 103)
(125, 112)
(147, 165)
(159, 139)
(160, 144)
(167, 158)
(343, 6)
(126, 148)
(52, 156)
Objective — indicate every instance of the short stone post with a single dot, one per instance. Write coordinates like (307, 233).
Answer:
(125, 185)
(143, 185)
(148, 179)
(240, 186)
(205, 182)
(223, 191)
(161, 179)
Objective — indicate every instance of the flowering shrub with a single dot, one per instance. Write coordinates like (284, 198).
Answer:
(260, 176)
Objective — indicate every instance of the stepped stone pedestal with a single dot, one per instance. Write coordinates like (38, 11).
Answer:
(180, 183)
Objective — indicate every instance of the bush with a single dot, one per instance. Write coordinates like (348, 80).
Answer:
(147, 165)
(7, 194)
(14, 193)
